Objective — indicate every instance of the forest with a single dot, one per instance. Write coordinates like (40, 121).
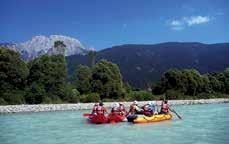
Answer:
(45, 80)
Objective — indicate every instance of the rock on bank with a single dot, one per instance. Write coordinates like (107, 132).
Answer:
(84, 106)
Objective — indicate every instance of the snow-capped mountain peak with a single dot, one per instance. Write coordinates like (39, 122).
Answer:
(40, 45)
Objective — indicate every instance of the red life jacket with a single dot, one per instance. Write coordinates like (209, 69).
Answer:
(165, 108)
(132, 109)
(122, 108)
(94, 109)
(100, 110)
(147, 110)
(115, 110)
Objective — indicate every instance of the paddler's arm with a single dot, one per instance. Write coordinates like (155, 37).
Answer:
(137, 109)
(105, 111)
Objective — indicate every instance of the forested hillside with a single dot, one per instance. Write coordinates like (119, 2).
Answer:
(141, 65)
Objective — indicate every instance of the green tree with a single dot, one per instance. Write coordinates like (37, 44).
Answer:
(92, 56)
(172, 79)
(158, 88)
(91, 97)
(192, 81)
(59, 47)
(107, 80)
(224, 78)
(48, 73)
(71, 95)
(205, 85)
(187, 81)
(35, 93)
(226, 81)
(83, 78)
(13, 74)
(174, 94)
(127, 87)
(141, 95)
(215, 84)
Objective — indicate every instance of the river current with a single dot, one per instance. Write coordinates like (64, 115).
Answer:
(201, 124)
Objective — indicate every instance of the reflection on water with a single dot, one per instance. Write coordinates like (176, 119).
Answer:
(201, 124)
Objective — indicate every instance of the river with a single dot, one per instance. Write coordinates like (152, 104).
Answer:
(201, 124)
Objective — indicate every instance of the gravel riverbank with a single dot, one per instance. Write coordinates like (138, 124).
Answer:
(85, 106)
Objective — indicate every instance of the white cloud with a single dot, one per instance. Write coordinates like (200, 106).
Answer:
(176, 23)
(180, 24)
(194, 20)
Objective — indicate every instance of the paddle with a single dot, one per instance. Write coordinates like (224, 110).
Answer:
(172, 110)
(86, 114)
(145, 118)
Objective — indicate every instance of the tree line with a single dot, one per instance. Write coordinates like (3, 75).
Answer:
(44, 80)
(190, 84)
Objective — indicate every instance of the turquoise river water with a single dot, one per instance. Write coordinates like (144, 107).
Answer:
(201, 124)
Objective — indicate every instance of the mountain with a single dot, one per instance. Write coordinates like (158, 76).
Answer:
(144, 64)
(40, 45)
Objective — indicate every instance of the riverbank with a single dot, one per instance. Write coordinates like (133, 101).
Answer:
(85, 106)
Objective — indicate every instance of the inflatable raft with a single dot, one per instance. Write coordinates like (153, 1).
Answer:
(114, 118)
(101, 119)
(154, 118)
(98, 119)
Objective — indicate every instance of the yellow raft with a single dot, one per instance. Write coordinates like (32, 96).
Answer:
(154, 118)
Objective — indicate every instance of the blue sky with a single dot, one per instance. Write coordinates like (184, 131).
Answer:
(105, 23)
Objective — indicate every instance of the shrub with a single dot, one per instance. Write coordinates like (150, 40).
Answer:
(13, 97)
(139, 95)
(2, 101)
(108, 100)
(74, 97)
(70, 95)
(35, 94)
(205, 96)
(91, 97)
(159, 97)
(47, 100)
(174, 94)
(128, 97)
(53, 100)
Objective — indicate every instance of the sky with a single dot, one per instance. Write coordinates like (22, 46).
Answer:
(101, 24)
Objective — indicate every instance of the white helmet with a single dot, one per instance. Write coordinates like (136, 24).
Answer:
(152, 103)
(135, 102)
(116, 105)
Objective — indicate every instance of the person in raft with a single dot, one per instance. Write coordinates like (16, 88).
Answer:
(122, 109)
(147, 109)
(134, 109)
(164, 107)
(150, 109)
(115, 109)
(154, 108)
(101, 110)
(94, 109)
